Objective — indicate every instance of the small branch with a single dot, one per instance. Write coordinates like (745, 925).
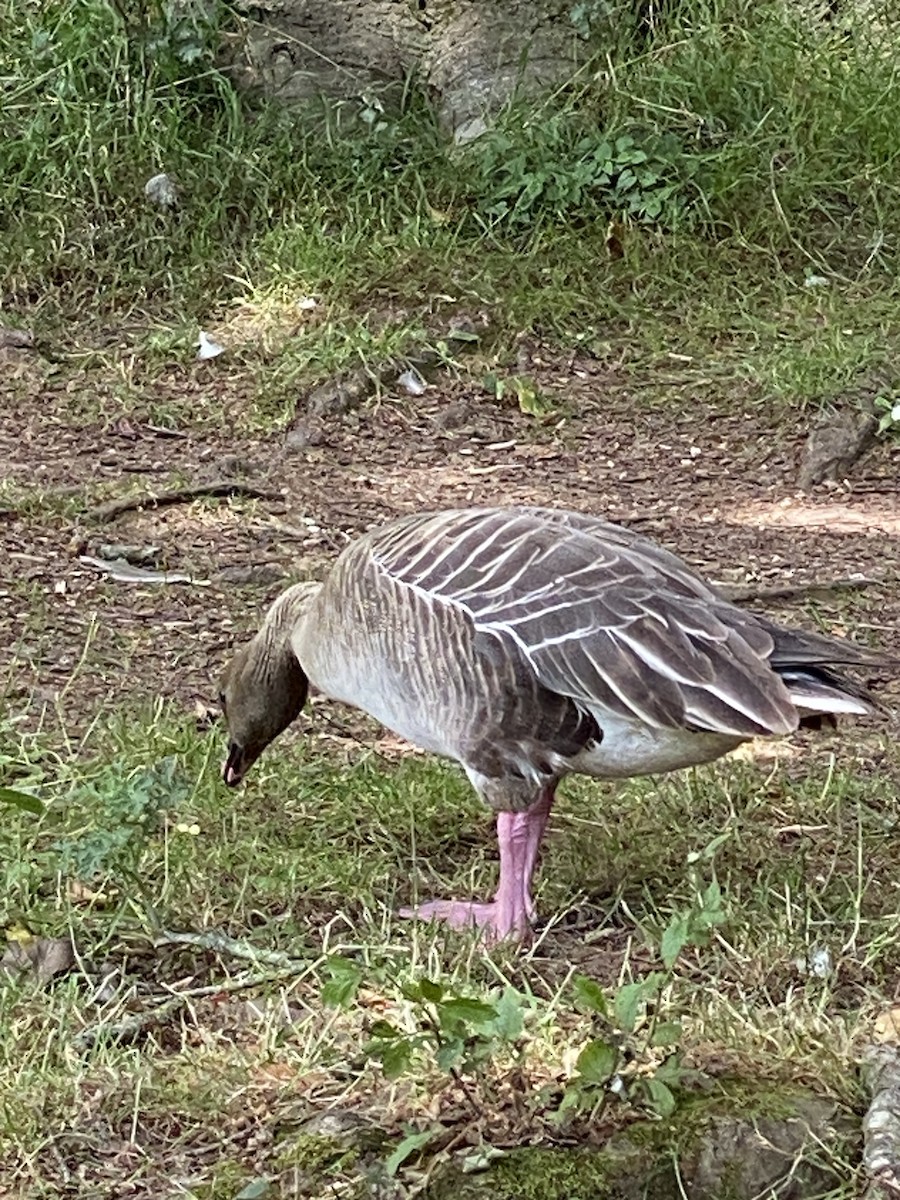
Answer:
(880, 1073)
(135, 1024)
(738, 595)
(130, 1027)
(221, 943)
(222, 487)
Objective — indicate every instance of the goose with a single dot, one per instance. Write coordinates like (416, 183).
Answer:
(529, 643)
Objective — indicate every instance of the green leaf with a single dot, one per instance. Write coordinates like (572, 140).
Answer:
(671, 1071)
(21, 800)
(340, 990)
(509, 1021)
(675, 938)
(384, 1029)
(712, 898)
(413, 1142)
(627, 1003)
(667, 1033)
(474, 1012)
(431, 991)
(711, 847)
(532, 401)
(449, 1054)
(590, 995)
(395, 1057)
(597, 1061)
(255, 1189)
(661, 1097)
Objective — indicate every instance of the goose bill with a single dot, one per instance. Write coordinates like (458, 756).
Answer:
(236, 765)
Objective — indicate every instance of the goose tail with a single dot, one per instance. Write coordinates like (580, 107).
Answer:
(806, 663)
(817, 691)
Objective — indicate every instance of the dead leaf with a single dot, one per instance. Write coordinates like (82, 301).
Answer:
(80, 893)
(887, 1026)
(615, 235)
(42, 957)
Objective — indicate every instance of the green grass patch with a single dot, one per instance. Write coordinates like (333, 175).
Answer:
(755, 222)
(286, 894)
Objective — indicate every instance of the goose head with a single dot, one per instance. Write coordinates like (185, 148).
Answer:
(264, 688)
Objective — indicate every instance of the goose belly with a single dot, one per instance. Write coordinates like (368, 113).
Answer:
(630, 748)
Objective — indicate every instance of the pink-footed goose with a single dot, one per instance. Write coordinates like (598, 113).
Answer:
(528, 643)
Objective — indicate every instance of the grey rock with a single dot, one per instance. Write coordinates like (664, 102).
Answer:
(835, 445)
(306, 432)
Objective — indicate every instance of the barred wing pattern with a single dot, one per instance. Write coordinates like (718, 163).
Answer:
(602, 616)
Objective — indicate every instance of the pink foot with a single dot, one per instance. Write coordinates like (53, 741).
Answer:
(510, 913)
(494, 924)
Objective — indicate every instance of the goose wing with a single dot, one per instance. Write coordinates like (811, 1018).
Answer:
(602, 615)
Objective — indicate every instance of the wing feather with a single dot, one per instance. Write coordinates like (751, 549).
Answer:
(602, 615)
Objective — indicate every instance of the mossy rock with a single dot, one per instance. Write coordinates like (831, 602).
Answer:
(735, 1145)
(619, 1171)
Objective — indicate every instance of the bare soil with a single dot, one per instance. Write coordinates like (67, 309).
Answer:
(713, 478)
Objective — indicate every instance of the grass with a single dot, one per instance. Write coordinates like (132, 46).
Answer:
(744, 195)
(305, 871)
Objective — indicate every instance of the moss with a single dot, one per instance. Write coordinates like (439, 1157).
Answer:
(229, 1177)
(621, 1171)
(711, 1140)
(317, 1155)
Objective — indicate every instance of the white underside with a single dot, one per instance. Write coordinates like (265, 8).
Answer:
(629, 748)
(829, 704)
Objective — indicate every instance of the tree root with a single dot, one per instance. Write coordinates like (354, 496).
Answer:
(881, 1125)
(221, 487)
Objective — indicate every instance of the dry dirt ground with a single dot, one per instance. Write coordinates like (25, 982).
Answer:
(713, 480)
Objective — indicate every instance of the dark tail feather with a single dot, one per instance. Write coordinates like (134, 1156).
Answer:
(805, 661)
(819, 690)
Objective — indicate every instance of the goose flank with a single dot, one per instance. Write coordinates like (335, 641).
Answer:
(528, 644)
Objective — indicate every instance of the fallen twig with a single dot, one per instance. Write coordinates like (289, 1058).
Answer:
(881, 1125)
(786, 592)
(122, 571)
(134, 1024)
(221, 487)
(129, 1027)
(221, 943)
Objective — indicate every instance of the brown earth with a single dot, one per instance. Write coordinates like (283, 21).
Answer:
(714, 481)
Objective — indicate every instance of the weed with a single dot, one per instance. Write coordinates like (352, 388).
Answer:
(125, 810)
(888, 410)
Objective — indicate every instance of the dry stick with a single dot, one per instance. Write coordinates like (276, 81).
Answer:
(221, 943)
(221, 487)
(737, 595)
(136, 1023)
(880, 1073)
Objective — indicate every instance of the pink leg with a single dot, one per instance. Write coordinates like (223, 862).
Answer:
(537, 822)
(510, 913)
